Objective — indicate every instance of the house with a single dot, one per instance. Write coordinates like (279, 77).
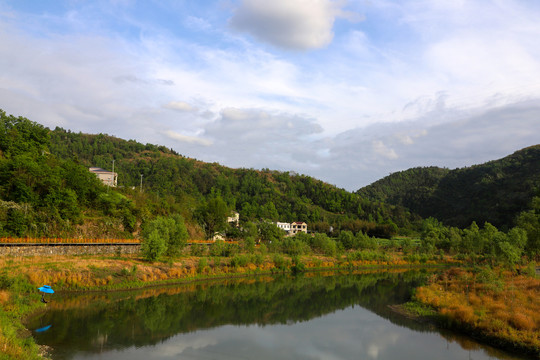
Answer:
(284, 226)
(234, 219)
(109, 178)
(293, 228)
(298, 226)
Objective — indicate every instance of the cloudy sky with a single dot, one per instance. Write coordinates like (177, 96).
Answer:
(345, 91)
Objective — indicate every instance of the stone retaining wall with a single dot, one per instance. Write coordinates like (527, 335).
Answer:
(72, 249)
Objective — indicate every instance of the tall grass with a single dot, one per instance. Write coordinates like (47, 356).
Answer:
(491, 302)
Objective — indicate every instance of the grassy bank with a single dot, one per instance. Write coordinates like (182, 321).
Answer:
(20, 277)
(494, 305)
(18, 299)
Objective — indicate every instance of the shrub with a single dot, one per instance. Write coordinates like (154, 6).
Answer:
(325, 245)
(240, 260)
(197, 249)
(153, 246)
(297, 265)
(293, 246)
(279, 261)
(218, 248)
(203, 263)
(249, 244)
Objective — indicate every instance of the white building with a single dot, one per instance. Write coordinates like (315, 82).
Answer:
(109, 178)
(284, 226)
(234, 218)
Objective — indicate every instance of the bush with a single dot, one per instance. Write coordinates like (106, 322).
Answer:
(279, 261)
(240, 260)
(218, 248)
(258, 259)
(249, 244)
(325, 245)
(153, 246)
(293, 246)
(169, 235)
(198, 249)
(203, 263)
(297, 265)
(367, 255)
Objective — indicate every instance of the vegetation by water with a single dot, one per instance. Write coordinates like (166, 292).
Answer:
(47, 191)
(494, 304)
(150, 317)
(18, 299)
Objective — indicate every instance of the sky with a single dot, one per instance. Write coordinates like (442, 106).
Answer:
(344, 91)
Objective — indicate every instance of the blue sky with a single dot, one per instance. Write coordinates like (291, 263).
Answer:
(345, 91)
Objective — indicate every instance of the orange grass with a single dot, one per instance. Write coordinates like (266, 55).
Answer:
(510, 313)
(4, 296)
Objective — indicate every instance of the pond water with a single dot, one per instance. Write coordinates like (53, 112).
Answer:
(311, 316)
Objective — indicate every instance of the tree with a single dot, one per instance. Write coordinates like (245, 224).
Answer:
(530, 222)
(213, 215)
(269, 232)
(153, 246)
(163, 235)
(178, 235)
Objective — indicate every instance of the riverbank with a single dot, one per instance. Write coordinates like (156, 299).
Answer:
(495, 306)
(20, 277)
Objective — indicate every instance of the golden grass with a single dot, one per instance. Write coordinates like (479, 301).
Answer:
(509, 311)
(4, 296)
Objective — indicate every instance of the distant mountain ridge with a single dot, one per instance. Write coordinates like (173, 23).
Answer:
(496, 191)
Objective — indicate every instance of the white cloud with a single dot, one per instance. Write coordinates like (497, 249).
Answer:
(381, 149)
(187, 139)
(338, 113)
(180, 106)
(299, 24)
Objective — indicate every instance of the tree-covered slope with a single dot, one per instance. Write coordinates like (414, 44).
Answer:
(496, 191)
(256, 195)
(47, 190)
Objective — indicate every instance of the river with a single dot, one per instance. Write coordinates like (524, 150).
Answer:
(309, 316)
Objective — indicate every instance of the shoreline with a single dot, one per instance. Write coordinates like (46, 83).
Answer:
(223, 271)
(437, 321)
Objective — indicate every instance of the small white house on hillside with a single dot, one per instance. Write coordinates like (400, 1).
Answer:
(109, 178)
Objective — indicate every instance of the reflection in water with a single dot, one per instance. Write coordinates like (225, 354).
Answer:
(314, 316)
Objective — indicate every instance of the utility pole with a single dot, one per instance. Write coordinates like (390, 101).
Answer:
(113, 176)
(141, 182)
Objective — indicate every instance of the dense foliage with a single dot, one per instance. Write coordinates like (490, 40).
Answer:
(47, 190)
(496, 191)
(187, 186)
(39, 192)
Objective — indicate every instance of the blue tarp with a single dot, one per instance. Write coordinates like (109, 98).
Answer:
(46, 289)
(45, 328)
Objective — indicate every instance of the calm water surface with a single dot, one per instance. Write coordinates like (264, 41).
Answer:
(313, 316)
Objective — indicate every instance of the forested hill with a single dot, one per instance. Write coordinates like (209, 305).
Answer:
(47, 190)
(496, 191)
(183, 184)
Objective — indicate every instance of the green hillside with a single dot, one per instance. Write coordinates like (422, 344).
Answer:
(496, 191)
(47, 190)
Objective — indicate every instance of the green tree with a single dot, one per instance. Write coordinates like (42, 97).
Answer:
(269, 232)
(213, 215)
(153, 245)
(530, 222)
(164, 235)
(347, 239)
(178, 235)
